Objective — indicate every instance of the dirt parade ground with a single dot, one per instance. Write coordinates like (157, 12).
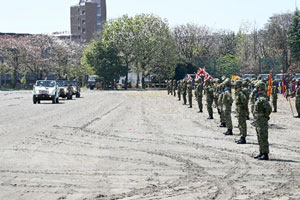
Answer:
(139, 145)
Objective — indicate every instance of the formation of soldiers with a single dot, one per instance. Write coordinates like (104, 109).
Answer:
(220, 94)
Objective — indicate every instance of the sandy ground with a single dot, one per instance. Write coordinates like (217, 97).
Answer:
(138, 145)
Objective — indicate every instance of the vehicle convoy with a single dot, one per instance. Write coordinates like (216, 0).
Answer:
(65, 89)
(92, 81)
(75, 88)
(45, 90)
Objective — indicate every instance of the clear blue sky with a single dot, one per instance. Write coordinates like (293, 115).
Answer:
(47, 16)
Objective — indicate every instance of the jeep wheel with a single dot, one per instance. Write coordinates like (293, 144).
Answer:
(69, 96)
(34, 100)
(53, 100)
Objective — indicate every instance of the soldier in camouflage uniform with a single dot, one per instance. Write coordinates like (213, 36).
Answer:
(298, 98)
(184, 90)
(199, 94)
(216, 93)
(227, 103)
(252, 100)
(247, 92)
(179, 90)
(168, 87)
(190, 93)
(174, 88)
(220, 104)
(274, 96)
(209, 92)
(241, 110)
(262, 111)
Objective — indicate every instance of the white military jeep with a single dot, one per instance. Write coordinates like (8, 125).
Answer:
(45, 90)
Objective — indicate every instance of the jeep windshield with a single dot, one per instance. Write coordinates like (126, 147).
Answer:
(45, 83)
(73, 83)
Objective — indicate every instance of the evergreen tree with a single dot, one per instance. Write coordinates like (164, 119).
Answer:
(294, 37)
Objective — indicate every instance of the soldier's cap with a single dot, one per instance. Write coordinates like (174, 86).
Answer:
(239, 83)
(260, 85)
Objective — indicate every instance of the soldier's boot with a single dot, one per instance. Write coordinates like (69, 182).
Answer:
(242, 140)
(275, 110)
(264, 156)
(247, 118)
(223, 124)
(201, 110)
(190, 105)
(210, 117)
(228, 132)
(298, 116)
(258, 156)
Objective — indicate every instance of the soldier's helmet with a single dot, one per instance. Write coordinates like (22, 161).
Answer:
(245, 83)
(238, 83)
(261, 85)
(227, 82)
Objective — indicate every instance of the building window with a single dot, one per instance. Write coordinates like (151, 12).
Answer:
(83, 30)
(98, 19)
(83, 21)
(83, 12)
(79, 28)
(98, 27)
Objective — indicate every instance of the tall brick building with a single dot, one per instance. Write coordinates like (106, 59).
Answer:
(87, 19)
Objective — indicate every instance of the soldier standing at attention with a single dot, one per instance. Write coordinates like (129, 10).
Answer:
(274, 96)
(298, 98)
(190, 93)
(227, 103)
(252, 100)
(179, 90)
(241, 102)
(220, 103)
(174, 88)
(199, 94)
(247, 93)
(184, 88)
(262, 111)
(209, 92)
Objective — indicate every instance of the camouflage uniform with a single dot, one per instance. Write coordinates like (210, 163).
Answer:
(184, 88)
(174, 88)
(274, 96)
(227, 103)
(241, 110)
(209, 92)
(190, 93)
(220, 104)
(252, 100)
(199, 94)
(262, 111)
(168, 87)
(247, 93)
(298, 98)
(179, 90)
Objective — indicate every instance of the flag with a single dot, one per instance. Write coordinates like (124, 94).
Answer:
(235, 77)
(189, 78)
(270, 85)
(284, 90)
(201, 72)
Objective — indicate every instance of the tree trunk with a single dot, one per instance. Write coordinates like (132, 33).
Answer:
(137, 80)
(143, 81)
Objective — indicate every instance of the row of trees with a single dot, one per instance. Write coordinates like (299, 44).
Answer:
(33, 57)
(146, 45)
